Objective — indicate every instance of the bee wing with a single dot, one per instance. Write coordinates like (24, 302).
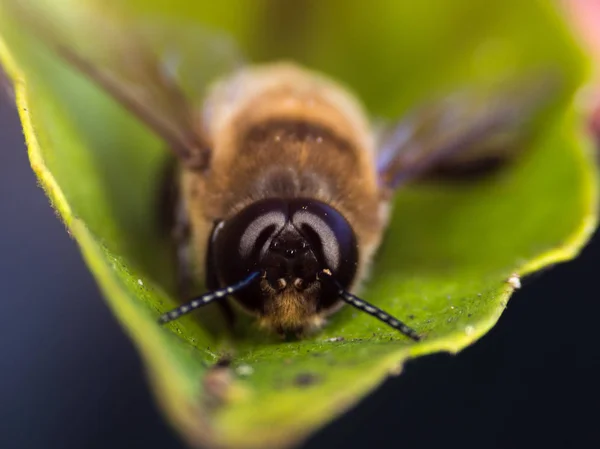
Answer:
(466, 129)
(158, 71)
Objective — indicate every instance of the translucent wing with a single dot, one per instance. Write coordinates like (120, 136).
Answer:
(157, 70)
(465, 129)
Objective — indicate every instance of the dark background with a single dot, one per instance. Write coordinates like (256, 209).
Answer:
(70, 379)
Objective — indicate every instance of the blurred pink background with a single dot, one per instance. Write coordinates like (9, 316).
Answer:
(585, 16)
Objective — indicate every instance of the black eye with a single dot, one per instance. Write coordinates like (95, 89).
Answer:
(239, 242)
(330, 236)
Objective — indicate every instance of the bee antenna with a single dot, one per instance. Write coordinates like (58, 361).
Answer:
(366, 307)
(207, 298)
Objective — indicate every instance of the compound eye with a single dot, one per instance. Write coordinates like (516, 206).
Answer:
(239, 242)
(330, 235)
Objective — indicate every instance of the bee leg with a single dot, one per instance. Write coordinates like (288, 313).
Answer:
(186, 281)
(167, 198)
(174, 221)
(183, 259)
(227, 312)
(174, 224)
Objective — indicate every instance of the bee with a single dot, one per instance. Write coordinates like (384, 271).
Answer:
(284, 186)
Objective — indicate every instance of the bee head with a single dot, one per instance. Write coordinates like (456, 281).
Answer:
(289, 241)
(286, 260)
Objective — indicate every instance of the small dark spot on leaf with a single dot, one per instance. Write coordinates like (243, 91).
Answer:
(223, 362)
(306, 379)
(470, 315)
(411, 317)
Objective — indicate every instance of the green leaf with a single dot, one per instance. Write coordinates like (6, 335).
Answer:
(446, 258)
